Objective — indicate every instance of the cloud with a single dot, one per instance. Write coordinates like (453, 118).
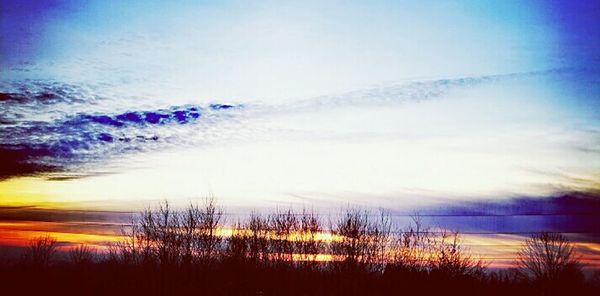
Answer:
(421, 90)
(19, 160)
(34, 142)
(36, 214)
(575, 214)
(33, 93)
(62, 130)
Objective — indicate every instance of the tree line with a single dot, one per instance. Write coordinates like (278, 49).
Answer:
(166, 251)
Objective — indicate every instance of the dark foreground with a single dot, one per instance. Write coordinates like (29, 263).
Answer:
(244, 278)
(181, 252)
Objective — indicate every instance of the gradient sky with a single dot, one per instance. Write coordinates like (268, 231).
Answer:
(347, 101)
(114, 104)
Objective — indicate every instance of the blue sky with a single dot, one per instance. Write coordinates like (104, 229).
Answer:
(390, 103)
(281, 50)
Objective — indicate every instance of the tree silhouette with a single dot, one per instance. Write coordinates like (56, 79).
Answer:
(309, 244)
(284, 226)
(361, 241)
(168, 251)
(548, 257)
(82, 255)
(40, 251)
(413, 246)
(449, 258)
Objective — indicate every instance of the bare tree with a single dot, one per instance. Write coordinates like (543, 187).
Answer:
(309, 245)
(352, 238)
(153, 237)
(547, 256)
(381, 240)
(284, 226)
(258, 235)
(237, 244)
(82, 255)
(199, 231)
(165, 233)
(171, 237)
(136, 246)
(40, 251)
(413, 246)
(209, 222)
(190, 220)
(449, 258)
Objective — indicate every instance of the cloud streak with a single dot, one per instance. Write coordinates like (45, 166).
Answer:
(62, 130)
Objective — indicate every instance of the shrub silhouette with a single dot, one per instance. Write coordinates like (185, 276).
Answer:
(82, 255)
(41, 251)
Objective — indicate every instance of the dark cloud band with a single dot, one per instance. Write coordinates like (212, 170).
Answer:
(38, 147)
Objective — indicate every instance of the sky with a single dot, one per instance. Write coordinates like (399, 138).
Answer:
(113, 105)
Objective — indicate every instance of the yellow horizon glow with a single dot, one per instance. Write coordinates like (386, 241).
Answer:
(479, 247)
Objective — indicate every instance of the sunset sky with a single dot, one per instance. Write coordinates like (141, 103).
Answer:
(456, 107)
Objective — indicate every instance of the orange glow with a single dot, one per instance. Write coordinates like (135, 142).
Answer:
(495, 250)
(21, 233)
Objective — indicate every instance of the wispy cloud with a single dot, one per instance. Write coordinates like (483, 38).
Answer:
(62, 130)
